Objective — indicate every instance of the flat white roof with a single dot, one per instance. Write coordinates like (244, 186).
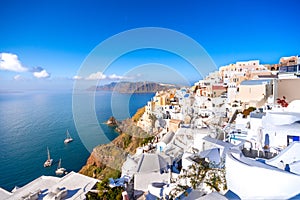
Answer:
(218, 143)
(42, 183)
(77, 185)
(4, 194)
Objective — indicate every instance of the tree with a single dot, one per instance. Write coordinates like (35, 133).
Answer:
(106, 192)
(202, 174)
(247, 111)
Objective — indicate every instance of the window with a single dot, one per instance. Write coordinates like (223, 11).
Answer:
(292, 68)
(292, 138)
(235, 80)
(283, 69)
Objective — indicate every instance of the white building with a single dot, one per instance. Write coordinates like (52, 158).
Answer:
(281, 127)
(71, 186)
(146, 169)
(251, 179)
(166, 139)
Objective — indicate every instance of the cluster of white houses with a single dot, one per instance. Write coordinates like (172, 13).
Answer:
(259, 148)
(235, 86)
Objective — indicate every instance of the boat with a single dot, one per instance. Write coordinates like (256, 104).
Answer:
(60, 170)
(49, 161)
(68, 138)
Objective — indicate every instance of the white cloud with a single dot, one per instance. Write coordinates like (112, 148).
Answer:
(77, 77)
(96, 76)
(18, 77)
(116, 77)
(10, 62)
(101, 76)
(41, 74)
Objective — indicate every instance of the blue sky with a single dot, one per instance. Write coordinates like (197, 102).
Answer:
(51, 39)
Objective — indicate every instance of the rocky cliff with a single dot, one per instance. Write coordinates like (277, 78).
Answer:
(108, 157)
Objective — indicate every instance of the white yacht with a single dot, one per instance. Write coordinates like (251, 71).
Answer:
(60, 170)
(68, 138)
(49, 161)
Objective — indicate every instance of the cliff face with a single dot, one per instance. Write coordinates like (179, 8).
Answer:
(113, 155)
(133, 87)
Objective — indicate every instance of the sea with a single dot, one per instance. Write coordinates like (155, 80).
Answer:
(31, 121)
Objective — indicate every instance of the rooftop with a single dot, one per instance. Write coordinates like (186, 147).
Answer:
(74, 184)
(4, 194)
(168, 137)
(256, 82)
(151, 163)
(258, 115)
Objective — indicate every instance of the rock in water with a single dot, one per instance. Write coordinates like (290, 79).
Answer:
(111, 121)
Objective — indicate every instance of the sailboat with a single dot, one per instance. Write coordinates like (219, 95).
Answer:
(49, 161)
(68, 138)
(60, 170)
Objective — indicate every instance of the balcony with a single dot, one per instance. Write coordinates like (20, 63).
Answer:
(289, 69)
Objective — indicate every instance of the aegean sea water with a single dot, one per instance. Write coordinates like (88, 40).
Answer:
(31, 121)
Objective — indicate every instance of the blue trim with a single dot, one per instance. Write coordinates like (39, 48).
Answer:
(231, 195)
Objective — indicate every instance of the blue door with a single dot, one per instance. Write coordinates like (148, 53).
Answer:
(292, 138)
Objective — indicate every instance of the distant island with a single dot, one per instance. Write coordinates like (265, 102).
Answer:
(133, 87)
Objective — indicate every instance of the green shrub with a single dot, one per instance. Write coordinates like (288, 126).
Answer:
(147, 140)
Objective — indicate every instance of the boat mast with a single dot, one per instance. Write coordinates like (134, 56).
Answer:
(48, 153)
(59, 164)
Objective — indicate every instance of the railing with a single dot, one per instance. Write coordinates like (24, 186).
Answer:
(289, 69)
